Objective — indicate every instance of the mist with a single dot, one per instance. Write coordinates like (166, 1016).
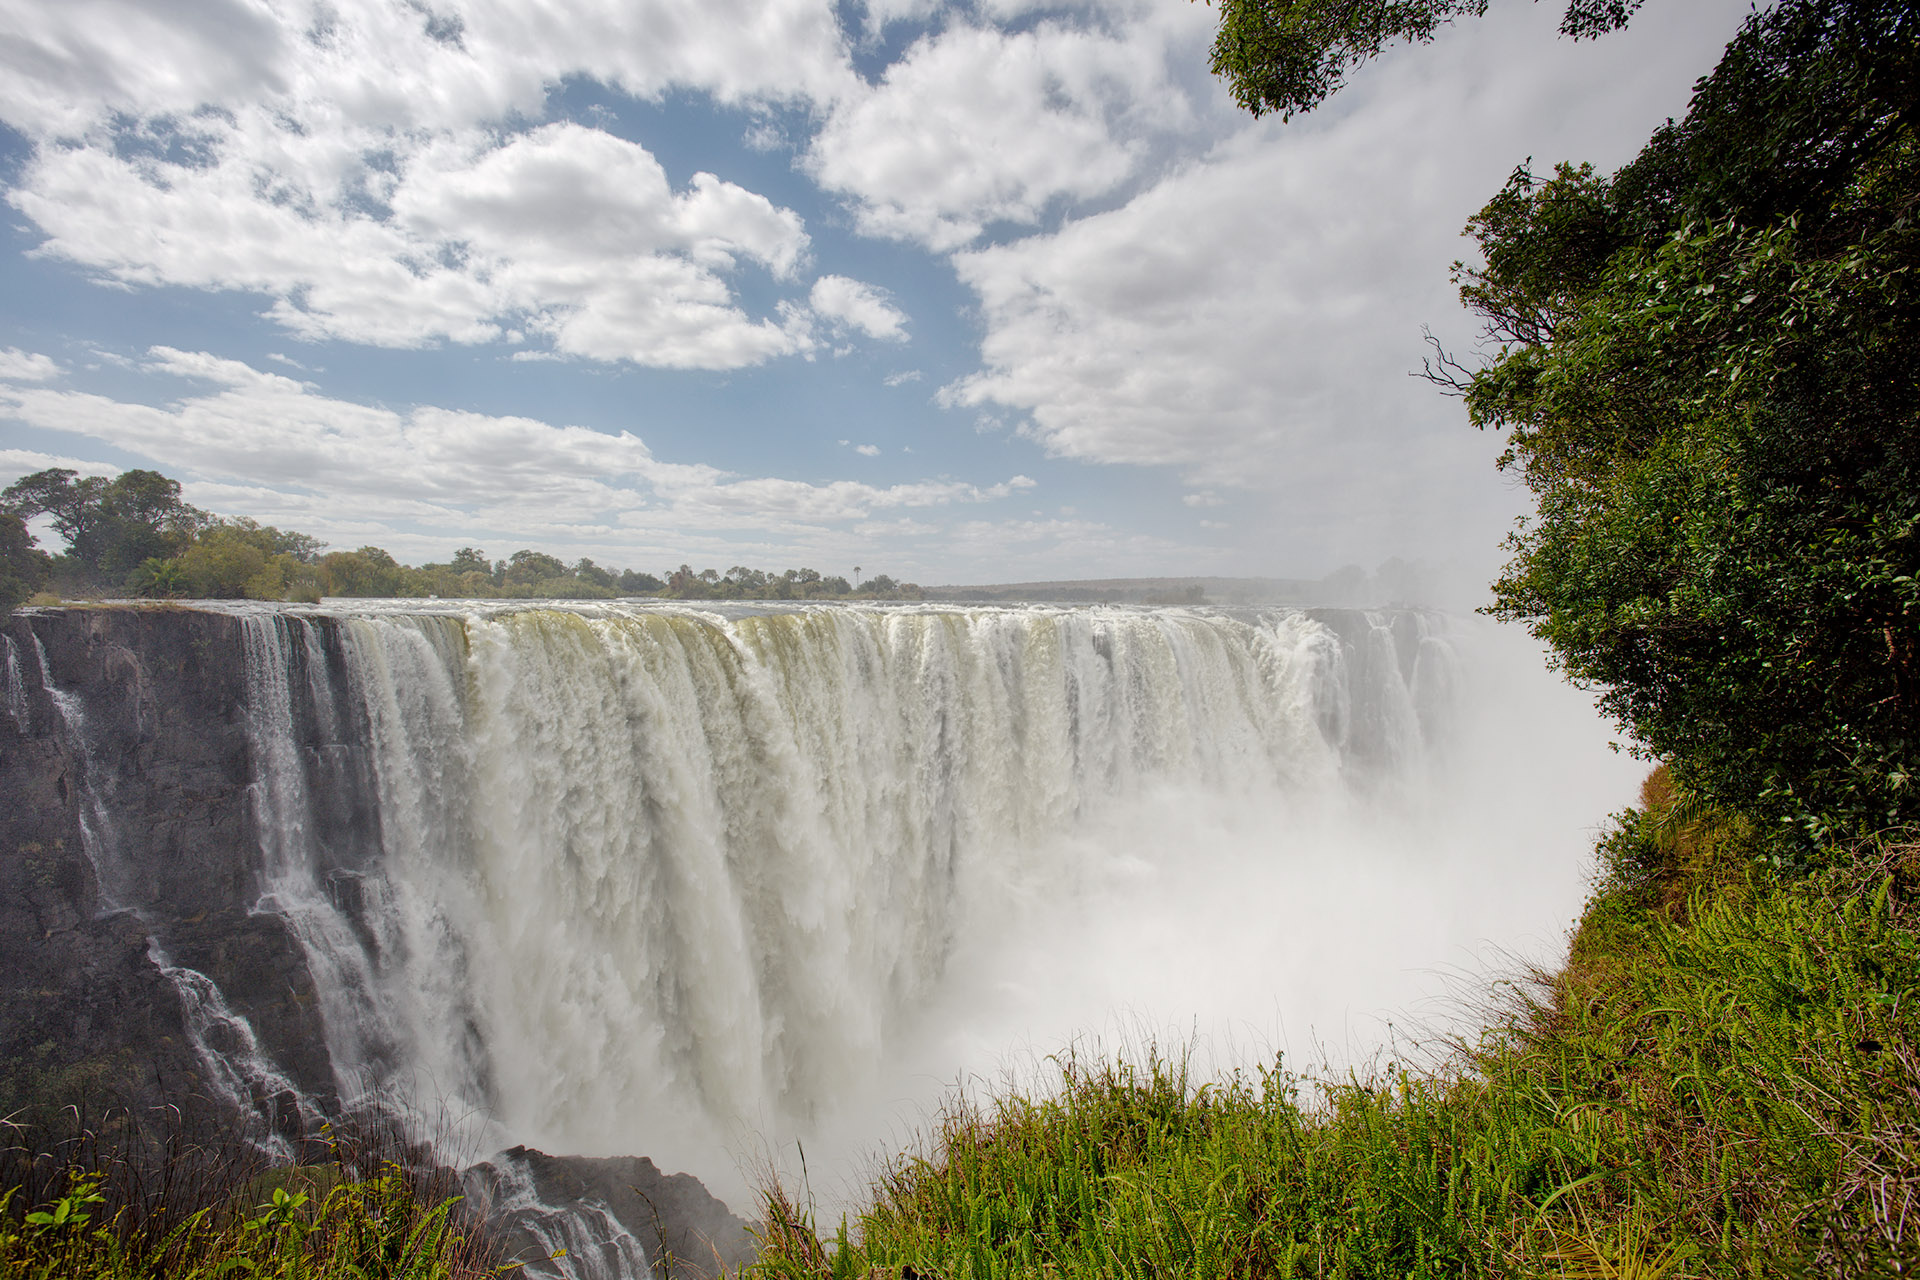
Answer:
(1333, 929)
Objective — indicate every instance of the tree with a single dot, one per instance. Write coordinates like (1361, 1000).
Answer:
(683, 583)
(524, 568)
(634, 582)
(220, 564)
(1703, 364)
(23, 567)
(370, 571)
(232, 559)
(471, 560)
(588, 571)
(55, 492)
(1289, 55)
(110, 526)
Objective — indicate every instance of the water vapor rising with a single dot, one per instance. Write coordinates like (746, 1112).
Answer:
(1328, 926)
(698, 885)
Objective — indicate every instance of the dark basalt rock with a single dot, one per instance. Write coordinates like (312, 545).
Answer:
(683, 1231)
(150, 754)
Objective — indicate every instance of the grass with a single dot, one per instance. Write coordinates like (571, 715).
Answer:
(1723, 1081)
(122, 1200)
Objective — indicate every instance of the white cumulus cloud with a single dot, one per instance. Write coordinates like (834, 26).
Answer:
(564, 232)
(364, 166)
(447, 64)
(439, 467)
(26, 366)
(852, 304)
(977, 125)
(1233, 324)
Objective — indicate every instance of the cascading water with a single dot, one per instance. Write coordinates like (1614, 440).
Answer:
(691, 871)
(292, 860)
(649, 879)
(16, 686)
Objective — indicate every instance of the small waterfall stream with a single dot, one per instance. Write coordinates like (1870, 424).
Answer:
(236, 1066)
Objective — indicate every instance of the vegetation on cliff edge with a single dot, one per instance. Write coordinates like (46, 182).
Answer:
(119, 1199)
(133, 535)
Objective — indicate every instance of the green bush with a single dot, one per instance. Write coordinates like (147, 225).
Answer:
(118, 1203)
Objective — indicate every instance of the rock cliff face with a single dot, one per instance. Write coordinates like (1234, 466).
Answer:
(128, 846)
(129, 855)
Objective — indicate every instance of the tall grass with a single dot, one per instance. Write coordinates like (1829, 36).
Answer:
(1724, 1081)
(132, 1198)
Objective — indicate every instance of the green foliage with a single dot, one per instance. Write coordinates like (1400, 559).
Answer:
(178, 552)
(742, 583)
(110, 526)
(1726, 1089)
(634, 583)
(524, 568)
(70, 1212)
(471, 560)
(361, 1230)
(1289, 55)
(120, 1206)
(1705, 374)
(589, 572)
(1704, 369)
(369, 571)
(23, 568)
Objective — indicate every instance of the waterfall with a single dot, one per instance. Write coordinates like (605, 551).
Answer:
(95, 810)
(636, 878)
(693, 871)
(16, 687)
(293, 858)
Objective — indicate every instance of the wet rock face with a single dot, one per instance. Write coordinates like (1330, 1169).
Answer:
(129, 840)
(159, 696)
(670, 1220)
(125, 840)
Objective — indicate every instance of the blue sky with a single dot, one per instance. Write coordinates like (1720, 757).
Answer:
(980, 291)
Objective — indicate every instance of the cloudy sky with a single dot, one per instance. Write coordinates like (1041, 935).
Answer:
(981, 290)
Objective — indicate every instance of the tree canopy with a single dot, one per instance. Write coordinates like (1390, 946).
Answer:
(110, 526)
(1703, 364)
(23, 568)
(133, 535)
(1289, 55)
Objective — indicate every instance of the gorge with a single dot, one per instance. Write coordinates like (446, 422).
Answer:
(623, 879)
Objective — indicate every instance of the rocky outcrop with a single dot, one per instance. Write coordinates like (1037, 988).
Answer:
(627, 1205)
(128, 765)
(124, 768)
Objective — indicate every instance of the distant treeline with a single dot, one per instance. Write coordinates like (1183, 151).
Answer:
(133, 536)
